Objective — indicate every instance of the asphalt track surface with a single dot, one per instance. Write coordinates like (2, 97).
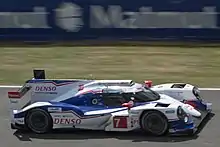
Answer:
(209, 135)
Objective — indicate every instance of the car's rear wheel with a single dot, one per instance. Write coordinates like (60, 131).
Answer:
(154, 122)
(39, 121)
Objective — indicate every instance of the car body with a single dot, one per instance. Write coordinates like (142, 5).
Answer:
(109, 105)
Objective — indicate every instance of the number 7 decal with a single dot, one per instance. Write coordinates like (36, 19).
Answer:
(120, 122)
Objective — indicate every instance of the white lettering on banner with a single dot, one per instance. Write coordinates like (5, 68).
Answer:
(66, 121)
(35, 19)
(69, 17)
(45, 88)
(114, 17)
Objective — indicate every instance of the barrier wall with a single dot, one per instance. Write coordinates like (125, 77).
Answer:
(44, 20)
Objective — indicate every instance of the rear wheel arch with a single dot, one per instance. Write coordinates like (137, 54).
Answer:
(39, 109)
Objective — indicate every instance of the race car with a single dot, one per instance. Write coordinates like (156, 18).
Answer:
(42, 105)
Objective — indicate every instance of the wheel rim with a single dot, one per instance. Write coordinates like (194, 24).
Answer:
(155, 124)
(38, 121)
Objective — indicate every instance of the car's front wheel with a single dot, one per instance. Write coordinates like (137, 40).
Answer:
(154, 122)
(39, 121)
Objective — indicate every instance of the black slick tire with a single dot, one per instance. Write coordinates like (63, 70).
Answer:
(154, 122)
(39, 121)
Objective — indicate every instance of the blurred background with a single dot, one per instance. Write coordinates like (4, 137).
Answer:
(162, 41)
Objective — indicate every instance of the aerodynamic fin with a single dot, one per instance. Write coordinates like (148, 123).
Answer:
(39, 74)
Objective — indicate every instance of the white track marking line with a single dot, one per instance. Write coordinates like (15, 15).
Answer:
(11, 86)
(217, 89)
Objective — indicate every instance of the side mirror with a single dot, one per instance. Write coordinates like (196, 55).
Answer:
(81, 87)
(148, 83)
(129, 105)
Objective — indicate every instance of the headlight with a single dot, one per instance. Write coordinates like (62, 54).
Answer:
(180, 113)
(186, 119)
(196, 92)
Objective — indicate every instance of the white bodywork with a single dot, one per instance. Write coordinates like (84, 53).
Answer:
(116, 119)
(183, 93)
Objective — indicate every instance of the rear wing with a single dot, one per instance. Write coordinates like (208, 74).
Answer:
(38, 74)
(39, 88)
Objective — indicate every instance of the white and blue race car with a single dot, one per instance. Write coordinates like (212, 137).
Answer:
(110, 105)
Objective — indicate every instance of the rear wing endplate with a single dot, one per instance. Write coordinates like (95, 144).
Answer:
(39, 74)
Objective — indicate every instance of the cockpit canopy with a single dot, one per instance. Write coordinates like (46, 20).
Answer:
(114, 96)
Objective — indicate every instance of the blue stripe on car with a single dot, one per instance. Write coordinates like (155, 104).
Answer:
(198, 104)
(180, 125)
(77, 110)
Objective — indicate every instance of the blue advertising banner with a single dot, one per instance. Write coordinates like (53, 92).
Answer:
(57, 20)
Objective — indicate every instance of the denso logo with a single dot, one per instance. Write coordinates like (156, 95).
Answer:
(66, 121)
(45, 88)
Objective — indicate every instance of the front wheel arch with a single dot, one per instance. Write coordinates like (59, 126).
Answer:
(151, 111)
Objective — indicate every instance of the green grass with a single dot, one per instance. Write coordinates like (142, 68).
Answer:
(200, 66)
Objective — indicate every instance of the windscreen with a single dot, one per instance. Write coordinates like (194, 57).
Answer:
(145, 95)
